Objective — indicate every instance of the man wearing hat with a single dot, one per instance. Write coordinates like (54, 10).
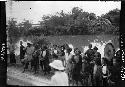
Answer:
(60, 78)
(28, 55)
(30, 50)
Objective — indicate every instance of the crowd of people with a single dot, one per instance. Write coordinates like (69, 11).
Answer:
(87, 69)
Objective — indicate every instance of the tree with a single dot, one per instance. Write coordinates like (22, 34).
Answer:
(76, 11)
(78, 22)
(113, 16)
(13, 31)
(26, 26)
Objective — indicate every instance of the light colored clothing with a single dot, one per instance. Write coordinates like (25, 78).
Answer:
(95, 69)
(29, 53)
(30, 50)
(59, 79)
(104, 69)
(72, 47)
(55, 51)
(69, 64)
(67, 58)
(72, 52)
(44, 53)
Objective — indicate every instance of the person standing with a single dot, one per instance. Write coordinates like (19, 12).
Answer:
(29, 51)
(67, 55)
(68, 62)
(96, 53)
(46, 55)
(28, 55)
(55, 52)
(41, 59)
(90, 53)
(105, 72)
(97, 72)
(61, 54)
(77, 66)
(22, 51)
(12, 57)
(12, 54)
(36, 59)
(115, 74)
(60, 78)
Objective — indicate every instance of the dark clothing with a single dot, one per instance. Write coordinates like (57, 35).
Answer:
(77, 66)
(90, 54)
(110, 63)
(62, 53)
(115, 74)
(97, 61)
(97, 54)
(12, 57)
(26, 65)
(85, 67)
(35, 60)
(77, 60)
(42, 65)
(46, 62)
(22, 52)
(85, 72)
(105, 82)
(55, 56)
(42, 60)
(97, 77)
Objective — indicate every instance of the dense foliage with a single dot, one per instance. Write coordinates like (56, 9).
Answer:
(76, 22)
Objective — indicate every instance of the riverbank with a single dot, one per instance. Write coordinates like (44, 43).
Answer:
(28, 78)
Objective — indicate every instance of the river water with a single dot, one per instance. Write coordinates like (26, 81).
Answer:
(80, 42)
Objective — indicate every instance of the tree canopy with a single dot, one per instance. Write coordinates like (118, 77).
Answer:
(79, 22)
(76, 22)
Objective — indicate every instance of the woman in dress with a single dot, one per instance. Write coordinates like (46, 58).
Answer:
(77, 66)
(69, 65)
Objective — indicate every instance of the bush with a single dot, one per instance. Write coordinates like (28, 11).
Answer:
(40, 41)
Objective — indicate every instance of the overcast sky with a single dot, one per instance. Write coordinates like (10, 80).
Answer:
(34, 10)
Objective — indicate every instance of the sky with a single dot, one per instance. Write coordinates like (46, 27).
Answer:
(34, 10)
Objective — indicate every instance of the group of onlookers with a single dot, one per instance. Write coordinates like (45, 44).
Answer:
(88, 68)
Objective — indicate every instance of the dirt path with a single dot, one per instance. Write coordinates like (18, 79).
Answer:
(13, 73)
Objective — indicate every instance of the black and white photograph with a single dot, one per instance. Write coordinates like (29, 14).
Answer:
(63, 43)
